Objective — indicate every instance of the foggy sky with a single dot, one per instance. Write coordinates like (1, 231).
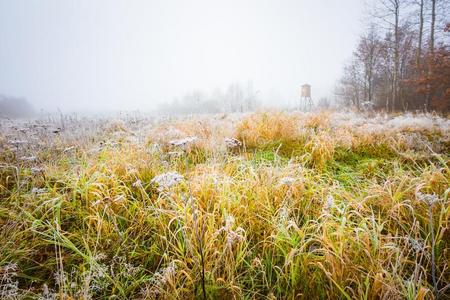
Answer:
(110, 54)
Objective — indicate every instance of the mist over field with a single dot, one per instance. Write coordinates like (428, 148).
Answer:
(116, 55)
(225, 149)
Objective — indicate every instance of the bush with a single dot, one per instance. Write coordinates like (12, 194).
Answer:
(12, 107)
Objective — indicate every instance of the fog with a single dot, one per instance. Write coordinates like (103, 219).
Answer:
(127, 55)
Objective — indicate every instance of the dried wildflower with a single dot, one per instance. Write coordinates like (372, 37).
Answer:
(28, 158)
(232, 236)
(55, 130)
(130, 269)
(167, 180)
(164, 275)
(292, 224)
(99, 271)
(287, 181)
(60, 277)
(229, 222)
(47, 294)
(174, 154)
(118, 199)
(417, 245)
(183, 142)
(155, 148)
(168, 272)
(100, 256)
(38, 191)
(283, 215)
(137, 183)
(9, 287)
(17, 142)
(232, 143)
(68, 149)
(120, 265)
(256, 262)
(313, 247)
(215, 181)
(9, 290)
(10, 269)
(36, 170)
(131, 170)
(429, 199)
(328, 205)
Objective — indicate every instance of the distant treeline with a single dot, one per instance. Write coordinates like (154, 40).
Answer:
(12, 107)
(236, 98)
(402, 61)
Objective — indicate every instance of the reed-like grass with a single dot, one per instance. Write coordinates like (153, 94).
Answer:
(318, 206)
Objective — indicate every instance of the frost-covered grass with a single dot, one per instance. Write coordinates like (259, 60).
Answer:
(259, 206)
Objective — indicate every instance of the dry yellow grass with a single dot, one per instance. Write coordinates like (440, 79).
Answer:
(325, 206)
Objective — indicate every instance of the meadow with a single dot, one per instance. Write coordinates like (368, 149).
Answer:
(266, 205)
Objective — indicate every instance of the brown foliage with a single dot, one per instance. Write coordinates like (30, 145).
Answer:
(434, 79)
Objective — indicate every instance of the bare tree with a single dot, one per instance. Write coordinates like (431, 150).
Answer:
(420, 35)
(433, 25)
(367, 53)
(389, 11)
(351, 86)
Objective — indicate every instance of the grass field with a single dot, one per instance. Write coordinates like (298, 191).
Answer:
(258, 206)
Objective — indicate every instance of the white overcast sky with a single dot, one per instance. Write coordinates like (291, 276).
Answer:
(111, 54)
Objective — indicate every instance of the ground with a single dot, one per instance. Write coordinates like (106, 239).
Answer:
(269, 205)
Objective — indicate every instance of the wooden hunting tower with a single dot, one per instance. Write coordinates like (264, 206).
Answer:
(305, 97)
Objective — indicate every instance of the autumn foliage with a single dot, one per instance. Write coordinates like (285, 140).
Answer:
(434, 80)
(402, 62)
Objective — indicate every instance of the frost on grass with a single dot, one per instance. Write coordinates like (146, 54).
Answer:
(220, 180)
(380, 122)
(167, 180)
(419, 122)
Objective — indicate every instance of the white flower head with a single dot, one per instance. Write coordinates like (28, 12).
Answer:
(167, 180)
